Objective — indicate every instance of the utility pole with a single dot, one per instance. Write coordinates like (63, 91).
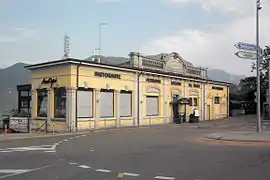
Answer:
(258, 7)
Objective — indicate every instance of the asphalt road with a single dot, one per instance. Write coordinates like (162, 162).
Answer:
(161, 152)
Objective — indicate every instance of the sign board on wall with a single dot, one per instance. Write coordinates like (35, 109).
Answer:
(193, 92)
(18, 124)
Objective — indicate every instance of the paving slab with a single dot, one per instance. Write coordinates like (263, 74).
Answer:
(244, 136)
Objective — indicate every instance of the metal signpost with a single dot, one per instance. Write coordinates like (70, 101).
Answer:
(253, 51)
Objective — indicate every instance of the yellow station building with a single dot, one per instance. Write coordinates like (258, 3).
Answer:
(73, 94)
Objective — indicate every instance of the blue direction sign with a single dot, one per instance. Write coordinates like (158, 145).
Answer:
(246, 46)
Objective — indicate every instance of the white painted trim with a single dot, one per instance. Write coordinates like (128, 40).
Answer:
(153, 117)
(107, 119)
(126, 118)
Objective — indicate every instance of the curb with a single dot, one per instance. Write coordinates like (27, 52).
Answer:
(220, 138)
(76, 133)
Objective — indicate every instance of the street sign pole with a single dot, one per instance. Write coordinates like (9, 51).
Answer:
(258, 7)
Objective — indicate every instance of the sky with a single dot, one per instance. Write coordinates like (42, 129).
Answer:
(201, 31)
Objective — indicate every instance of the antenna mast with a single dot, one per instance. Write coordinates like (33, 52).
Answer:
(66, 47)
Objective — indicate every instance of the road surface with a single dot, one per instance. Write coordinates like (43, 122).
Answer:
(158, 152)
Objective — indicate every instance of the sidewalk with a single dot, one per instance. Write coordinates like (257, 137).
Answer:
(19, 136)
(241, 136)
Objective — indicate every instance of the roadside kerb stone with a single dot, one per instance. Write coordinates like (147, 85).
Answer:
(241, 136)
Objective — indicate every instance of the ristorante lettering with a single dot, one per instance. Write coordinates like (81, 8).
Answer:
(50, 81)
(108, 75)
(153, 80)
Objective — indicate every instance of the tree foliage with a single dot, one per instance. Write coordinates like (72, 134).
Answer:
(248, 85)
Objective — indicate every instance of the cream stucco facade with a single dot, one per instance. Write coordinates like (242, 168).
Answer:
(134, 80)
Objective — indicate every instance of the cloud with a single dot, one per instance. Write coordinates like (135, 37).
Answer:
(232, 6)
(108, 1)
(17, 34)
(214, 49)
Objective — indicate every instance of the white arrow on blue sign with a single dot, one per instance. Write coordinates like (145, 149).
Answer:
(246, 55)
(246, 46)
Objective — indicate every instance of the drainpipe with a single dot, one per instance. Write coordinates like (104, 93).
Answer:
(138, 89)
(138, 97)
(76, 96)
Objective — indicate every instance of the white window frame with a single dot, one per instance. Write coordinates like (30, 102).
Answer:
(90, 103)
(113, 103)
(130, 103)
(157, 110)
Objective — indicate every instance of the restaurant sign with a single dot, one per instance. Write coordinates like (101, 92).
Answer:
(193, 92)
(107, 75)
(158, 81)
(50, 81)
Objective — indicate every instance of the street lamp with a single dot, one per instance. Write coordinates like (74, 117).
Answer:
(100, 25)
(258, 8)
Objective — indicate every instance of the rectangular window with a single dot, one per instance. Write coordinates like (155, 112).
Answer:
(190, 101)
(217, 88)
(152, 106)
(60, 102)
(24, 93)
(196, 86)
(84, 103)
(195, 101)
(42, 102)
(190, 85)
(217, 100)
(125, 104)
(106, 103)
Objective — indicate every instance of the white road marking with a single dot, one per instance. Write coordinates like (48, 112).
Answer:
(84, 166)
(50, 151)
(71, 138)
(30, 148)
(56, 144)
(131, 174)
(73, 163)
(60, 142)
(16, 172)
(65, 140)
(164, 177)
(6, 151)
(92, 150)
(83, 135)
(13, 170)
(103, 170)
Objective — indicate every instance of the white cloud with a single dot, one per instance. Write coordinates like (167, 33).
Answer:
(17, 34)
(107, 1)
(232, 6)
(215, 49)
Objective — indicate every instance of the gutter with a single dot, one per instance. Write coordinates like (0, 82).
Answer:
(138, 97)
(76, 96)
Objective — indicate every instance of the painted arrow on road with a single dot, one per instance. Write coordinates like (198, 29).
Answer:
(246, 55)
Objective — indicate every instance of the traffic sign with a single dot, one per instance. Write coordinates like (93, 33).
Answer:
(247, 47)
(246, 55)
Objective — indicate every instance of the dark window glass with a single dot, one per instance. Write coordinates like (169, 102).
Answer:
(60, 102)
(217, 100)
(42, 102)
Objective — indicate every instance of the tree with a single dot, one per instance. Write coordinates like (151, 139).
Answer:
(248, 85)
